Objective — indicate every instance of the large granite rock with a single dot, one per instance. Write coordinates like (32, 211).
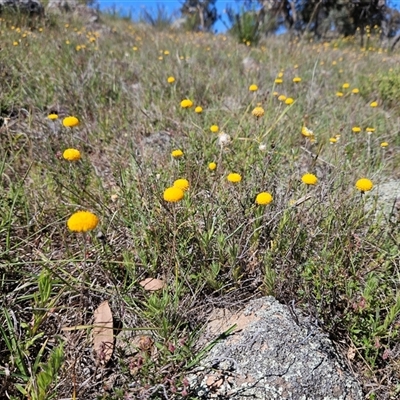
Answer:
(28, 6)
(62, 5)
(273, 355)
(89, 14)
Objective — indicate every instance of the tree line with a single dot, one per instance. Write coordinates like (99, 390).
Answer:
(252, 19)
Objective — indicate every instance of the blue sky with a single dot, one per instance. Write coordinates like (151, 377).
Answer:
(172, 5)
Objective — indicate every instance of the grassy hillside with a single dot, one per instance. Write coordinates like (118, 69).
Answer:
(316, 236)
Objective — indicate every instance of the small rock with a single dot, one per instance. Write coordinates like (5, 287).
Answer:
(250, 64)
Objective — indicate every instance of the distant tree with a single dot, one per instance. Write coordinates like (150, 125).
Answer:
(341, 16)
(250, 22)
(245, 25)
(323, 18)
(160, 19)
(201, 15)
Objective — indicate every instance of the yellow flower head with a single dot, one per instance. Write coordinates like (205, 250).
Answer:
(258, 112)
(346, 85)
(289, 101)
(234, 177)
(370, 130)
(214, 128)
(171, 79)
(339, 94)
(308, 133)
(296, 79)
(264, 198)
(177, 153)
(384, 144)
(374, 104)
(364, 185)
(82, 221)
(356, 129)
(355, 91)
(173, 194)
(70, 122)
(186, 103)
(282, 97)
(182, 184)
(198, 109)
(333, 139)
(278, 81)
(212, 166)
(72, 154)
(253, 88)
(53, 116)
(309, 179)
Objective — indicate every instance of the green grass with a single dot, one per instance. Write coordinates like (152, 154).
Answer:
(328, 247)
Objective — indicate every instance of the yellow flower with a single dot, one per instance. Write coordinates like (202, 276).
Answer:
(212, 166)
(70, 122)
(370, 130)
(355, 91)
(384, 144)
(296, 79)
(258, 112)
(346, 85)
(282, 97)
(289, 101)
(264, 198)
(364, 185)
(171, 79)
(214, 128)
(186, 103)
(339, 94)
(280, 75)
(356, 129)
(182, 184)
(333, 139)
(198, 109)
(278, 81)
(52, 116)
(72, 154)
(253, 88)
(308, 133)
(374, 104)
(233, 177)
(177, 153)
(309, 179)
(173, 194)
(82, 221)
(275, 94)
